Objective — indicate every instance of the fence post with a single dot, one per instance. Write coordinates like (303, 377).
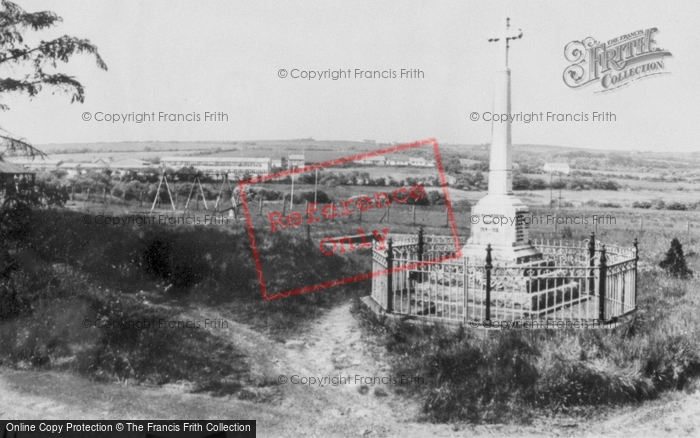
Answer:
(601, 287)
(488, 282)
(414, 214)
(72, 193)
(88, 195)
(261, 205)
(591, 264)
(308, 233)
(421, 244)
(389, 266)
(636, 261)
(388, 208)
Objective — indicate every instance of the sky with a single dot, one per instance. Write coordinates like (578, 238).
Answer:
(224, 56)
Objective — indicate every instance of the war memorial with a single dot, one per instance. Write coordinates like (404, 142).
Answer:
(501, 275)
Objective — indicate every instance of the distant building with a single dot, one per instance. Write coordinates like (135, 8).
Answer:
(397, 160)
(220, 165)
(295, 161)
(556, 168)
(417, 161)
(73, 169)
(37, 163)
(11, 174)
(276, 163)
(129, 165)
(102, 161)
(378, 160)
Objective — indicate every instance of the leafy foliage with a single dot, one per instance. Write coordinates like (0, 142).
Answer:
(40, 60)
(674, 263)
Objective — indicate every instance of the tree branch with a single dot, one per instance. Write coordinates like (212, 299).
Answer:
(21, 145)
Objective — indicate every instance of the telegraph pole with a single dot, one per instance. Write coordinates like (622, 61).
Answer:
(316, 187)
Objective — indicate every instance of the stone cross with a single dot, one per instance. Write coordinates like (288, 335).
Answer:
(500, 173)
(502, 40)
(509, 242)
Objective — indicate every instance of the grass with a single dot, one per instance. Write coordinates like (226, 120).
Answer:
(154, 272)
(61, 331)
(122, 276)
(510, 376)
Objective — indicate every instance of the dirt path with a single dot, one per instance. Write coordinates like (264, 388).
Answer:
(333, 346)
(361, 402)
(674, 415)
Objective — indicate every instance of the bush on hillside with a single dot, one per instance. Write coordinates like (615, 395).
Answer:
(674, 264)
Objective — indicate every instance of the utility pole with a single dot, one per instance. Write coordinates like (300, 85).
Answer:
(291, 199)
(316, 187)
(559, 190)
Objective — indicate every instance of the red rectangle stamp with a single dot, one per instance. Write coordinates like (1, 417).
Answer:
(317, 214)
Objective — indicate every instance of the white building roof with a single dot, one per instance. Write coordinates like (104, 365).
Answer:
(217, 159)
(557, 167)
(36, 161)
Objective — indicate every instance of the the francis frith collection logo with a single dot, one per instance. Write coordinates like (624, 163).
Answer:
(616, 62)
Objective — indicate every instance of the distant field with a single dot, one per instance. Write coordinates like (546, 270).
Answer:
(134, 146)
(315, 151)
(638, 165)
(434, 218)
(89, 156)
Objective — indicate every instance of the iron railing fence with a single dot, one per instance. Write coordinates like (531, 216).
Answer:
(571, 282)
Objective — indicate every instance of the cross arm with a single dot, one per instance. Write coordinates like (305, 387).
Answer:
(514, 35)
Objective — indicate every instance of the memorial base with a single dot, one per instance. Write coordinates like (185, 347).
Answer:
(501, 221)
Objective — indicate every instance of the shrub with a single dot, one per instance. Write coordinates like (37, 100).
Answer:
(308, 196)
(117, 192)
(658, 204)
(266, 194)
(567, 233)
(677, 206)
(434, 198)
(674, 264)
(643, 204)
